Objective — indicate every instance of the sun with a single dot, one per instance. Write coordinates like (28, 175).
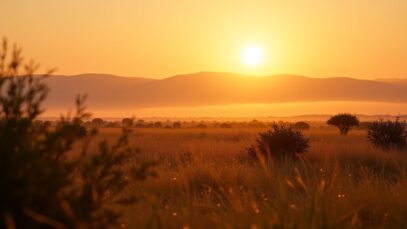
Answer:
(253, 55)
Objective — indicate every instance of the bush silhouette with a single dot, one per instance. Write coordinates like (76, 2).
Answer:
(256, 123)
(225, 125)
(127, 122)
(280, 141)
(344, 122)
(42, 184)
(176, 125)
(201, 125)
(97, 122)
(388, 134)
(301, 126)
(157, 125)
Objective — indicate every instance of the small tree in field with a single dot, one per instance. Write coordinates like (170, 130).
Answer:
(344, 122)
(97, 122)
(127, 122)
(388, 134)
(44, 183)
(280, 141)
(176, 125)
(301, 126)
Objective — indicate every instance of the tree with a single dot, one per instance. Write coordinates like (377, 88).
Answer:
(388, 134)
(176, 125)
(157, 125)
(301, 126)
(97, 122)
(43, 183)
(127, 122)
(344, 122)
(225, 125)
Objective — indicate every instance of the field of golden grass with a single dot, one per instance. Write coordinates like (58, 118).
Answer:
(206, 180)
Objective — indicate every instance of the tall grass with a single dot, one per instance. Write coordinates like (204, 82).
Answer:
(206, 181)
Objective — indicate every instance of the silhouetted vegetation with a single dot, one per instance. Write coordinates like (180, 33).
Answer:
(157, 125)
(97, 122)
(280, 141)
(388, 134)
(344, 122)
(301, 126)
(127, 122)
(256, 123)
(176, 125)
(201, 125)
(225, 125)
(43, 184)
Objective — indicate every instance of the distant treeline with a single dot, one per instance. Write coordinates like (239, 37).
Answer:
(169, 124)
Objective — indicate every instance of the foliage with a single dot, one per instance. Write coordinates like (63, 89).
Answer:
(225, 125)
(280, 141)
(201, 125)
(43, 181)
(176, 125)
(301, 125)
(388, 134)
(157, 125)
(127, 122)
(344, 122)
(97, 122)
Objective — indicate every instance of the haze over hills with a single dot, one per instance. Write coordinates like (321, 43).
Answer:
(109, 92)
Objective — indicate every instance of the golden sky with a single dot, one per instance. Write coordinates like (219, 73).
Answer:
(159, 38)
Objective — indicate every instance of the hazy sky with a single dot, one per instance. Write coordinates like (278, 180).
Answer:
(151, 38)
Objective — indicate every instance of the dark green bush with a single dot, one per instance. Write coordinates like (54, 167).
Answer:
(280, 141)
(44, 182)
(388, 134)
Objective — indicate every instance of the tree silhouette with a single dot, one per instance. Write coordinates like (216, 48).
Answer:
(127, 122)
(344, 122)
(301, 125)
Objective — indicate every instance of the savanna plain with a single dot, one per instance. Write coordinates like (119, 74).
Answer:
(205, 179)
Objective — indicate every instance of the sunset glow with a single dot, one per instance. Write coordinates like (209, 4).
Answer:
(253, 55)
(363, 39)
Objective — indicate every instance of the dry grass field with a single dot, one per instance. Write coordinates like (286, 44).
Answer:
(206, 180)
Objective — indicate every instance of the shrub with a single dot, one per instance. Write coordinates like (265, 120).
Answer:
(201, 125)
(114, 125)
(176, 125)
(43, 183)
(97, 122)
(344, 122)
(280, 141)
(225, 125)
(157, 125)
(256, 123)
(127, 122)
(388, 134)
(301, 126)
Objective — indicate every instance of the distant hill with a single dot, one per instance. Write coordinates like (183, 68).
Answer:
(102, 89)
(394, 81)
(213, 88)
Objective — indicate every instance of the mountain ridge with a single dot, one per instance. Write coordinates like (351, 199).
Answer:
(214, 88)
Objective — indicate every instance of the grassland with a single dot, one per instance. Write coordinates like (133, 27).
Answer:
(206, 180)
